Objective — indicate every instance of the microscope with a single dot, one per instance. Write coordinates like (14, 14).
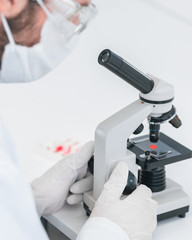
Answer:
(146, 155)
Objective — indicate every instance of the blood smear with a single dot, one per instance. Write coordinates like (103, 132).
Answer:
(63, 150)
(152, 146)
(59, 149)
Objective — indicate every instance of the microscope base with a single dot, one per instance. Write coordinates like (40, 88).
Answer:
(172, 201)
(88, 202)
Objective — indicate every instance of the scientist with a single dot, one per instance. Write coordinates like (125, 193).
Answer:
(133, 218)
(35, 37)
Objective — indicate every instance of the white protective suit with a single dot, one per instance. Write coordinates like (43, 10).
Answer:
(19, 218)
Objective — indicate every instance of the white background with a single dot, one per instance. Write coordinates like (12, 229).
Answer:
(156, 37)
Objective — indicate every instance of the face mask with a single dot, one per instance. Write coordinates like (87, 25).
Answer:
(58, 36)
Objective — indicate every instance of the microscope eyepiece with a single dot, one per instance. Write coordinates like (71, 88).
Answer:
(105, 56)
(126, 71)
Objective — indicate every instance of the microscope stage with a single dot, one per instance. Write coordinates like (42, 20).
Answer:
(172, 201)
(165, 151)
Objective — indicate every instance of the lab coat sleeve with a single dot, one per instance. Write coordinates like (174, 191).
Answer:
(103, 229)
(18, 219)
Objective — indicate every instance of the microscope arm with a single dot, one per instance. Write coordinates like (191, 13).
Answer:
(111, 142)
(111, 135)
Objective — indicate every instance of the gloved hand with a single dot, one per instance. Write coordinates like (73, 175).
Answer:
(78, 188)
(135, 214)
(52, 188)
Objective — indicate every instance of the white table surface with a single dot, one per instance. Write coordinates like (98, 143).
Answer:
(156, 37)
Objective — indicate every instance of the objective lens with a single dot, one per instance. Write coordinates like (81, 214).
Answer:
(176, 122)
(139, 129)
(154, 132)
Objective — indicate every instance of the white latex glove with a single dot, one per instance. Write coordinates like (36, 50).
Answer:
(135, 214)
(78, 188)
(52, 188)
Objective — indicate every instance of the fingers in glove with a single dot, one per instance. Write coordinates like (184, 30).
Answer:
(83, 185)
(82, 157)
(144, 194)
(116, 183)
(75, 199)
(142, 191)
(142, 198)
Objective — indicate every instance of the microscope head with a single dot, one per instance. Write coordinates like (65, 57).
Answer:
(154, 123)
(153, 91)
(161, 98)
